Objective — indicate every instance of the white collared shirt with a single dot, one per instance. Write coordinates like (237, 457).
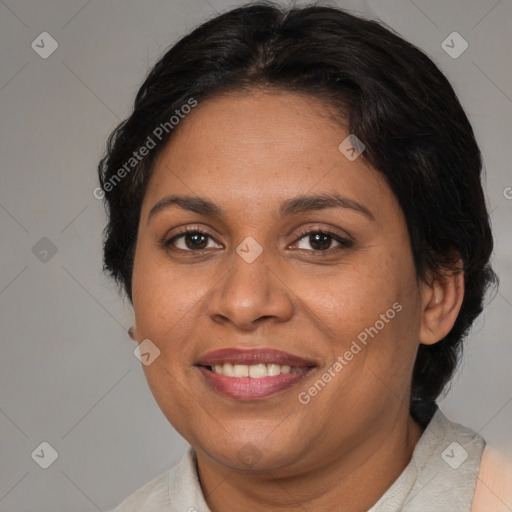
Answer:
(441, 476)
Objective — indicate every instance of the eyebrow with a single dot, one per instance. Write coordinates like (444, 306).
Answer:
(293, 206)
(302, 204)
(192, 203)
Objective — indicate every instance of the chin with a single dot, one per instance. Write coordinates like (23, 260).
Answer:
(252, 453)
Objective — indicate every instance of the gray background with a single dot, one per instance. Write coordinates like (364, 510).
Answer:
(68, 375)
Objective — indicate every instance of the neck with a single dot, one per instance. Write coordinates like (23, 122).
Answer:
(354, 481)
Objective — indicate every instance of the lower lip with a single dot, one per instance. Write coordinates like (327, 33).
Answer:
(246, 388)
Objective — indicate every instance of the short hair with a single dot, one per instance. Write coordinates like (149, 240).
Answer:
(391, 96)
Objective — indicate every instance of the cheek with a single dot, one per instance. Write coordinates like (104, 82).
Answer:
(354, 296)
(368, 314)
(166, 303)
(162, 294)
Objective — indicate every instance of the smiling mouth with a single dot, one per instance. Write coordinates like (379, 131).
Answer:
(252, 382)
(252, 374)
(255, 371)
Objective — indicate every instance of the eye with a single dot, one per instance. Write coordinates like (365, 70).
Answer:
(191, 240)
(321, 240)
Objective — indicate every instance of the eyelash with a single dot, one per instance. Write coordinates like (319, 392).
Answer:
(344, 242)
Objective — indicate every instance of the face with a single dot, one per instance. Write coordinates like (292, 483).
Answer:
(306, 307)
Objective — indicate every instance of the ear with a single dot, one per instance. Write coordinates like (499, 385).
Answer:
(442, 298)
(132, 332)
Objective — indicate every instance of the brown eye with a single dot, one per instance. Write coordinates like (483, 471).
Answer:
(321, 241)
(191, 240)
(196, 241)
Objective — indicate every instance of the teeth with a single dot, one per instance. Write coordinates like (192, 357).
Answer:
(226, 369)
(255, 371)
(240, 370)
(274, 369)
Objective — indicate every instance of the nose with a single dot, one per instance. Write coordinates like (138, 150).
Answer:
(249, 294)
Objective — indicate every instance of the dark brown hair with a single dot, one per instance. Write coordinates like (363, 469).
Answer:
(395, 100)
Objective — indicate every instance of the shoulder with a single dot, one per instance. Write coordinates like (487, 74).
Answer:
(494, 485)
(149, 498)
(176, 489)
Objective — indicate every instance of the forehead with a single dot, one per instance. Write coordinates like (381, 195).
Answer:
(262, 147)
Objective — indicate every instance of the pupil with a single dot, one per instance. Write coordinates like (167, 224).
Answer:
(198, 241)
(320, 241)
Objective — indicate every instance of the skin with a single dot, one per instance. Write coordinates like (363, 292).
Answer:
(248, 152)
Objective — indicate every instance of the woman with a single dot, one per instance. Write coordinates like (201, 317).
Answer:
(296, 215)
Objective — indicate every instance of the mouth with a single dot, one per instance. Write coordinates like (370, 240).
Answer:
(254, 371)
(252, 374)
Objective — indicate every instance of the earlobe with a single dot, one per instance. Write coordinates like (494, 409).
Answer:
(442, 300)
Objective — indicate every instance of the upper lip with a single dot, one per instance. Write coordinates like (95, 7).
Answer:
(253, 356)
